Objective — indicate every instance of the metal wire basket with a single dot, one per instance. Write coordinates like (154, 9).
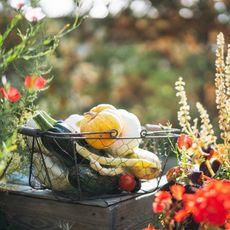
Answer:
(73, 170)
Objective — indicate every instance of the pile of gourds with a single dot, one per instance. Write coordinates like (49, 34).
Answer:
(124, 155)
(108, 147)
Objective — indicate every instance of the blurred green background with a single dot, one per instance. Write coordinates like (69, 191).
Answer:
(130, 53)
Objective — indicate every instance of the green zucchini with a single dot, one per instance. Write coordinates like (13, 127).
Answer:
(92, 183)
(63, 148)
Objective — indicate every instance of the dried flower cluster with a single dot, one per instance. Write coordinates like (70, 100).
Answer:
(227, 75)
(222, 87)
(203, 148)
(206, 129)
(183, 114)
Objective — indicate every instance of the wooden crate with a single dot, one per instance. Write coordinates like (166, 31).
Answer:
(30, 209)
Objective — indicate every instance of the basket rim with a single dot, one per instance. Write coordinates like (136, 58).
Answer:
(144, 134)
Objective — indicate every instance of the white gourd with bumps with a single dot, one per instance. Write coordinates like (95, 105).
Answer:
(131, 129)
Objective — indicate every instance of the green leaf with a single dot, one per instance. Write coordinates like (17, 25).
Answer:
(1, 40)
(49, 41)
(9, 29)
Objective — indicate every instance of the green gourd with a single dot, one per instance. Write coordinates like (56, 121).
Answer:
(91, 183)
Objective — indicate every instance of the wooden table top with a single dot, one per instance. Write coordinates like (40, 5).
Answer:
(104, 201)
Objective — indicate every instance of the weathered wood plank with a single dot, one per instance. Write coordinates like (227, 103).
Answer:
(30, 209)
(41, 214)
(33, 213)
(134, 214)
(26, 190)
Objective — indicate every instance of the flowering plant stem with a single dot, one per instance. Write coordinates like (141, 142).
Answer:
(28, 56)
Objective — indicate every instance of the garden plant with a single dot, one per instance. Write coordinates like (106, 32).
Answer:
(25, 72)
(197, 193)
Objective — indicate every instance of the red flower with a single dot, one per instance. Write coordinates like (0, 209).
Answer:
(34, 82)
(13, 95)
(184, 142)
(162, 202)
(210, 204)
(39, 83)
(177, 191)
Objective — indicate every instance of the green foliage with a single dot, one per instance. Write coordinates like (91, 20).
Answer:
(27, 55)
(130, 76)
(135, 79)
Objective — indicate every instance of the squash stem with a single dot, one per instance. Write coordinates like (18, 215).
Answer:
(92, 115)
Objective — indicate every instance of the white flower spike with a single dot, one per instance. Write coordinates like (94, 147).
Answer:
(18, 4)
(57, 8)
(33, 14)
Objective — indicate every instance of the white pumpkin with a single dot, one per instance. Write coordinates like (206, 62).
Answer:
(74, 122)
(131, 130)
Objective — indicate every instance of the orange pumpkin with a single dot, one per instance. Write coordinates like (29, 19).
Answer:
(101, 107)
(102, 118)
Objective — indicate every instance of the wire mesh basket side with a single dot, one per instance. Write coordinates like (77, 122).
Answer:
(163, 148)
(8, 159)
(90, 177)
(72, 183)
(38, 170)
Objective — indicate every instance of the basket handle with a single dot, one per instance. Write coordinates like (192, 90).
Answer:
(153, 127)
(153, 130)
(28, 131)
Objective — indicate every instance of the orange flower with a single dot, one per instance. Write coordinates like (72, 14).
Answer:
(28, 82)
(189, 201)
(34, 82)
(181, 215)
(177, 191)
(211, 203)
(162, 202)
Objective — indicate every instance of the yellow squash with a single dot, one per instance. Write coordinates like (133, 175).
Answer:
(141, 168)
(141, 171)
